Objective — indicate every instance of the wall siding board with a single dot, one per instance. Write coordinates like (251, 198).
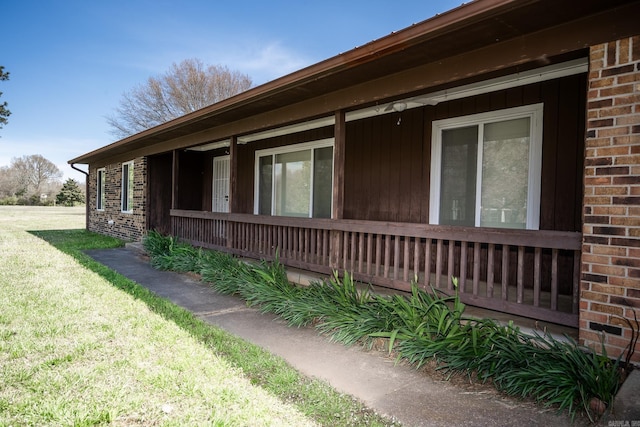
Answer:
(190, 180)
(359, 153)
(426, 155)
(549, 93)
(568, 174)
(416, 176)
(395, 167)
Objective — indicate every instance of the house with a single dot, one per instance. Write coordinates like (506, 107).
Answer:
(498, 142)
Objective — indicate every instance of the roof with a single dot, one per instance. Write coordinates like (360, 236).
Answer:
(467, 28)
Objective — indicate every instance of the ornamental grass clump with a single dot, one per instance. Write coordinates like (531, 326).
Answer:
(420, 327)
(344, 312)
(171, 254)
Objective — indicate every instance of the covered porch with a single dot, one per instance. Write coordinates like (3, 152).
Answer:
(372, 202)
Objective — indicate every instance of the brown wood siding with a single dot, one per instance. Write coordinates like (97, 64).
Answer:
(190, 180)
(384, 170)
(387, 164)
(159, 192)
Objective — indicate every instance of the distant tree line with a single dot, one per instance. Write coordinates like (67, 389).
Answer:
(34, 180)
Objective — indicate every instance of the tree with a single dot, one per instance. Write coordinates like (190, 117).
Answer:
(32, 173)
(186, 87)
(8, 182)
(4, 112)
(70, 194)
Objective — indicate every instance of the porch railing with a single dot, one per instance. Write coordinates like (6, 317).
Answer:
(523, 272)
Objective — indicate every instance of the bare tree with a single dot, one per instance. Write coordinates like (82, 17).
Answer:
(186, 87)
(8, 182)
(32, 174)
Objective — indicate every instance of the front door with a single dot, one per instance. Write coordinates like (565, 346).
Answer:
(220, 184)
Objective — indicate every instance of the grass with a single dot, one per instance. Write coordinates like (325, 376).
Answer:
(83, 345)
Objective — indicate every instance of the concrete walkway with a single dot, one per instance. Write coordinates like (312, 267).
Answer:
(396, 391)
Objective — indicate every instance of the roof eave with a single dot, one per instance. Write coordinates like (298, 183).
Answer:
(398, 40)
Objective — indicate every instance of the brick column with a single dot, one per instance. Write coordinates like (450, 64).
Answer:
(610, 281)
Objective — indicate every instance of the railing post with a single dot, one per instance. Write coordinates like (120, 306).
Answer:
(229, 234)
(233, 175)
(335, 246)
(335, 236)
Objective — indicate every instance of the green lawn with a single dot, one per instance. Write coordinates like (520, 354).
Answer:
(81, 345)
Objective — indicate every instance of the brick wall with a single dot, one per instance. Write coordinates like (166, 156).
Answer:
(112, 221)
(610, 286)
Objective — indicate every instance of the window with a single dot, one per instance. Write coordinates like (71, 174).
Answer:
(100, 189)
(295, 180)
(127, 187)
(486, 168)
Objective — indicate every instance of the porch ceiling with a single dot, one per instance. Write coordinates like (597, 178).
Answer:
(479, 24)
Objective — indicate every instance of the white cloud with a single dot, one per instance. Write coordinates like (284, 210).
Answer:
(267, 62)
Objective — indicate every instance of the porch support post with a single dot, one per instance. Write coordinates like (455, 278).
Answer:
(233, 190)
(338, 186)
(174, 180)
(233, 174)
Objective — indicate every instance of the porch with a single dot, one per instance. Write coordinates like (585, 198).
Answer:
(527, 273)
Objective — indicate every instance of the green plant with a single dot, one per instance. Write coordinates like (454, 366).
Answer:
(424, 325)
(157, 244)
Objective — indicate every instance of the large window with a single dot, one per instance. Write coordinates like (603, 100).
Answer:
(295, 180)
(127, 187)
(100, 189)
(486, 169)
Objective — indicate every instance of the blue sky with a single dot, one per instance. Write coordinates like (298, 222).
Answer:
(70, 61)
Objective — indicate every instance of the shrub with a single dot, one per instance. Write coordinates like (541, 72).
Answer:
(9, 201)
(422, 326)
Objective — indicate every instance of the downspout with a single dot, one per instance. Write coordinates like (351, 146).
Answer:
(86, 195)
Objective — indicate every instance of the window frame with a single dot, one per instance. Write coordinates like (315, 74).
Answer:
(285, 149)
(126, 203)
(535, 112)
(101, 174)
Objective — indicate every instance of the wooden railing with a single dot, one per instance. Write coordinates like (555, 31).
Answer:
(524, 272)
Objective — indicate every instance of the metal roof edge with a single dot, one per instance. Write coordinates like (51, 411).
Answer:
(465, 13)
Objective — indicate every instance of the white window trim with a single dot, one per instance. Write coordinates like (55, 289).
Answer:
(535, 113)
(100, 195)
(321, 143)
(122, 192)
